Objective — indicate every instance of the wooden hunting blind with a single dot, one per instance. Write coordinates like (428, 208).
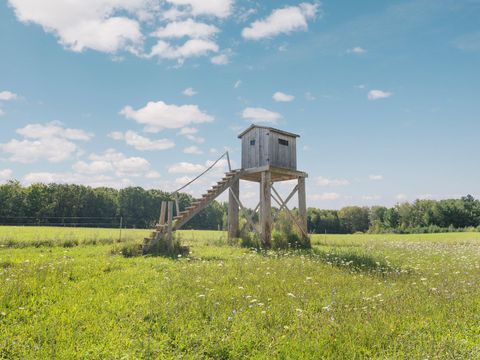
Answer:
(262, 146)
(268, 155)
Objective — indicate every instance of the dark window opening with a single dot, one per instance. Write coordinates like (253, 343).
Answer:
(252, 142)
(283, 142)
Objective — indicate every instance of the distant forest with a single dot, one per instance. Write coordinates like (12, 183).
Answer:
(78, 205)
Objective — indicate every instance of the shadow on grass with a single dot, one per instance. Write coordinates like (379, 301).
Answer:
(350, 261)
(357, 262)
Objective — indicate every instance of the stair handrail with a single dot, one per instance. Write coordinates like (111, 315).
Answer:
(204, 172)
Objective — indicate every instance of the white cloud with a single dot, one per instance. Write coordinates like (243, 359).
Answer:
(197, 139)
(401, 197)
(261, 115)
(26, 151)
(133, 166)
(281, 21)
(182, 180)
(51, 142)
(378, 94)
(323, 181)
(71, 178)
(153, 175)
(185, 168)
(328, 196)
(356, 50)
(189, 92)
(375, 177)
(309, 96)
(371, 197)
(156, 116)
(5, 174)
(282, 97)
(94, 167)
(112, 26)
(221, 59)
(218, 8)
(237, 84)
(188, 131)
(194, 150)
(142, 143)
(2, 112)
(87, 24)
(8, 96)
(188, 28)
(112, 160)
(53, 129)
(191, 48)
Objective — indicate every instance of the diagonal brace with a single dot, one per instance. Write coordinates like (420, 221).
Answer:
(284, 205)
(247, 216)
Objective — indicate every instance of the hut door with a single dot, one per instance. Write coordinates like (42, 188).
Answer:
(253, 145)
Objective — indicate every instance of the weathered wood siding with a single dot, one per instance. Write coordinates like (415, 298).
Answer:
(267, 150)
(255, 155)
(284, 156)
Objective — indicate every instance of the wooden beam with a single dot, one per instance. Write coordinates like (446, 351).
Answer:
(245, 212)
(163, 209)
(286, 201)
(177, 205)
(233, 210)
(266, 208)
(170, 223)
(280, 202)
(289, 197)
(302, 204)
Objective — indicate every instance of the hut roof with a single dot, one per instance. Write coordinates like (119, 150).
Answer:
(269, 128)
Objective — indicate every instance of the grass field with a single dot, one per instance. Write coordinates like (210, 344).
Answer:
(66, 293)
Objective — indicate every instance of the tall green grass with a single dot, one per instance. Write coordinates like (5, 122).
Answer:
(351, 297)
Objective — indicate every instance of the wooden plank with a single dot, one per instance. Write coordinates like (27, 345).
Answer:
(233, 210)
(170, 225)
(289, 196)
(266, 209)
(163, 209)
(177, 205)
(302, 204)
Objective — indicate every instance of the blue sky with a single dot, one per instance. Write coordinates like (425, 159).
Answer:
(385, 94)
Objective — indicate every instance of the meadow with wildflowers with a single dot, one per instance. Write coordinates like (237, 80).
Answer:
(65, 296)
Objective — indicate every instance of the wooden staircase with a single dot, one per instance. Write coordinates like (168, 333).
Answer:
(183, 217)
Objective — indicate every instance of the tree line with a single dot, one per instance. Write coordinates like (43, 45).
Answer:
(421, 216)
(78, 205)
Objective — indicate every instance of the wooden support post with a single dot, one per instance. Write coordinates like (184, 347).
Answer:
(233, 210)
(302, 204)
(177, 204)
(163, 208)
(266, 208)
(170, 223)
